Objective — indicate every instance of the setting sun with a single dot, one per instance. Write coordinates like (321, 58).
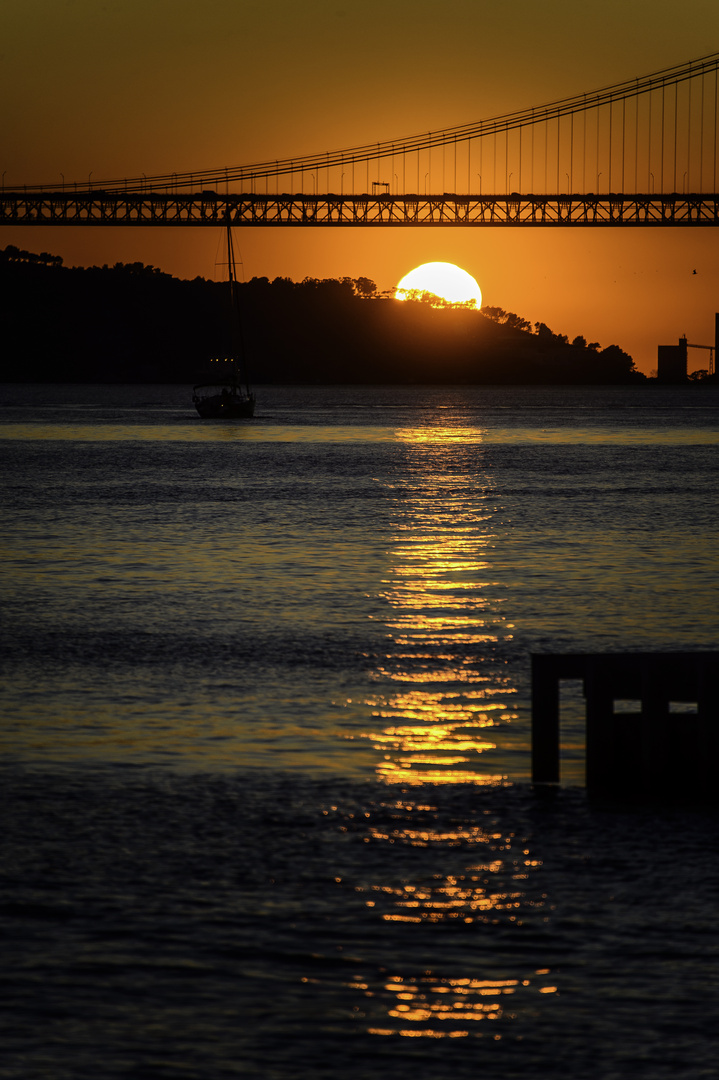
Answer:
(443, 280)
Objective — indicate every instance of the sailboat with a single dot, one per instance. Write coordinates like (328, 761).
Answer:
(228, 396)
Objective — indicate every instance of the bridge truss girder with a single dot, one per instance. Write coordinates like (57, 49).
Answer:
(417, 211)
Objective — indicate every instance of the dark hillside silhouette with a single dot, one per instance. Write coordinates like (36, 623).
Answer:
(134, 323)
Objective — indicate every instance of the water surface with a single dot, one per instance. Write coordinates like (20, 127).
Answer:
(265, 734)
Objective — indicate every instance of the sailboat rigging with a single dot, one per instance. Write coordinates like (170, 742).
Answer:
(228, 397)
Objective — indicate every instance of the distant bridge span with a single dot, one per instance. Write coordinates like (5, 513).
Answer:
(94, 207)
(643, 152)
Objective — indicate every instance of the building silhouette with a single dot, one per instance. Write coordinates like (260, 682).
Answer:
(672, 359)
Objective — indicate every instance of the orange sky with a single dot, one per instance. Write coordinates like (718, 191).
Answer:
(94, 89)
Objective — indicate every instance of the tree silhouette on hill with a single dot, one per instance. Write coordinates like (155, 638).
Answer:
(133, 322)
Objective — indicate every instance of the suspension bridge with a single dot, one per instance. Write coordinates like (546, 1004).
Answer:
(638, 153)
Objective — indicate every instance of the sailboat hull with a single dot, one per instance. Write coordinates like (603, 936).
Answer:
(225, 407)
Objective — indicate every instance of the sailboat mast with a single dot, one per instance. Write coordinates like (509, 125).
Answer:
(236, 304)
(231, 258)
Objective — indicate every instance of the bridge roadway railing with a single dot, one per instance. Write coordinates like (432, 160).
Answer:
(95, 207)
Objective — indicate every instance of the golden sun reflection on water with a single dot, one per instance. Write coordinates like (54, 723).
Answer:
(491, 888)
(447, 1003)
(444, 622)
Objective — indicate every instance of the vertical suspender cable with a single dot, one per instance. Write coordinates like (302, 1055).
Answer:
(558, 137)
(610, 144)
(636, 144)
(494, 164)
(624, 119)
(701, 187)
(597, 161)
(676, 109)
(661, 171)
(584, 146)
(469, 167)
(531, 184)
(506, 160)
(649, 147)
(716, 89)
(689, 137)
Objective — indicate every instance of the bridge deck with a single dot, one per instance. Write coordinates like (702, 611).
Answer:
(93, 207)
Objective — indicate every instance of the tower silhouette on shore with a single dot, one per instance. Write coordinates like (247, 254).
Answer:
(672, 359)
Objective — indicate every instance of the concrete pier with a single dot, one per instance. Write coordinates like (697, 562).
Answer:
(654, 753)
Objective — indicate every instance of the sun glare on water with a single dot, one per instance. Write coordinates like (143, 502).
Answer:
(443, 280)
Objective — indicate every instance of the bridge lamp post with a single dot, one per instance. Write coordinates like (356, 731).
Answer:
(568, 184)
(509, 183)
(651, 186)
(3, 179)
(684, 184)
(63, 180)
(425, 182)
(89, 185)
(480, 182)
(396, 180)
(598, 175)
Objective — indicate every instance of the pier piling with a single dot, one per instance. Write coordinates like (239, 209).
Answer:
(666, 750)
